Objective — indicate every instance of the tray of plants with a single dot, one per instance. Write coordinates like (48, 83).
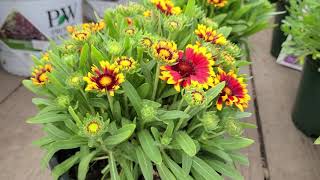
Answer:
(152, 91)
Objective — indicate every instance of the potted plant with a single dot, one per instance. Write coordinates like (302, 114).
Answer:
(244, 17)
(146, 93)
(302, 25)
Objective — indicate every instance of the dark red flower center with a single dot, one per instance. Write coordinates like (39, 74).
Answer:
(184, 68)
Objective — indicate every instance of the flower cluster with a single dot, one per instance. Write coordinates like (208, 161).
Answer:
(167, 7)
(85, 31)
(210, 35)
(218, 3)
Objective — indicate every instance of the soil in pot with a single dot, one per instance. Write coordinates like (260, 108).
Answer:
(306, 111)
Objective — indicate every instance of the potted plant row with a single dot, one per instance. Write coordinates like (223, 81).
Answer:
(303, 24)
(152, 91)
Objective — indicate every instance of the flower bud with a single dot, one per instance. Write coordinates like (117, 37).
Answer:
(195, 97)
(63, 101)
(209, 22)
(93, 126)
(75, 81)
(148, 113)
(114, 47)
(233, 127)
(210, 121)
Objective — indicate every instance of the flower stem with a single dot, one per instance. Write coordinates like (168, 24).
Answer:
(86, 99)
(194, 128)
(110, 100)
(181, 120)
(156, 81)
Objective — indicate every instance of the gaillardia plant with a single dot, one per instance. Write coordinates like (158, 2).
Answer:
(149, 92)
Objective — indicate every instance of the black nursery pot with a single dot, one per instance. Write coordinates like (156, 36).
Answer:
(306, 111)
(278, 37)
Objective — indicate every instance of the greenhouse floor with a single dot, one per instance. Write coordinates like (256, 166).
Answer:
(281, 152)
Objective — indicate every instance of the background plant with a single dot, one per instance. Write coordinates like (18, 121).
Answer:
(302, 25)
(124, 91)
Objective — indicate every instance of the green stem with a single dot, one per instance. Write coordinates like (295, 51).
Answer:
(110, 100)
(126, 109)
(181, 120)
(180, 104)
(100, 158)
(156, 81)
(87, 101)
(193, 128)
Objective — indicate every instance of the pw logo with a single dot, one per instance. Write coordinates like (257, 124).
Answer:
(59, 16)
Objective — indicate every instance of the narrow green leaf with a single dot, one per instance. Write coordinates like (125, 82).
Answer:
(48, 118)
(144, 90)
(189, 11)
(233, 143)
(225, 31)
(43, 141)
(145, 164)
(36, 90)
(248, 125)
(225, 169)
(84, 165)
(41, 101)
(84, 55)
(133, 96)
(220, 153)
(186, 143)
(56, 132)
(186, 163)
(219, 18)
(120, 135)
(241, 159)
(203, 169)
(149, 146)
(96, 55)
(63, 167)
(126, 168)
(169, 92)
(167, 115)
(176, 169)
(164, 172)
(214, 92)
(241, 63)
(113, 167)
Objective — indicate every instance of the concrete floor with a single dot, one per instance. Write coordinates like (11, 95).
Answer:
(281, 152)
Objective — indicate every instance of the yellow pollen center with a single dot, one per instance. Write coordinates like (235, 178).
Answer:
(147, 42)
(228, 91)
(105, 81)
(93, 127)
(43, 77)
(198, 97)
(125, 63)
(164, 53)
(75, 79)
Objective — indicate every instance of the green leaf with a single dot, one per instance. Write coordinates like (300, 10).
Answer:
(84, 55)
(248, 125)
(126, 169)
(120, 135)
(225, 169)
(164, 172)
(220, 153)
(71, 143)
(48, 118)
(113, 167)
(219, 18)
(241, 159)
(43, 141)
(189, 11)
(186, 163)
(84, 165)
(144, 90)
(41, 101)
(186, 143)
(133, 96)
(203, 169)
(214, 92)
(96, 55)
(233, 143)
(169, 92)
(145, 164)
(167, 115)
(63, 167)
(35, 89)
(149, 146)
(241, 63)
(225, 31)
(317, 141)
(56, 132)
(176, 169)
(61, 19)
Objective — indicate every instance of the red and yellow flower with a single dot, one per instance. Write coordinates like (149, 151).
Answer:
(126, 63)
(45, 56)
(167, 7)
(146, 42)
(39, 75)
(194, 67)
(81, 35)
(106, 79)
(147, 13)
(166, 51)
(93, 27)
(218, 3)
(235, 91)
(210, 35)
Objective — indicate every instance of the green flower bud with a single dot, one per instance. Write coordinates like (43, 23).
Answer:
(233, 127)
(148, 113)
(233, 49)
(63, 101)
(195, 97)
(210, 120)
(75, 81)
(114, 47)
(93, 126)
(175, 23)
